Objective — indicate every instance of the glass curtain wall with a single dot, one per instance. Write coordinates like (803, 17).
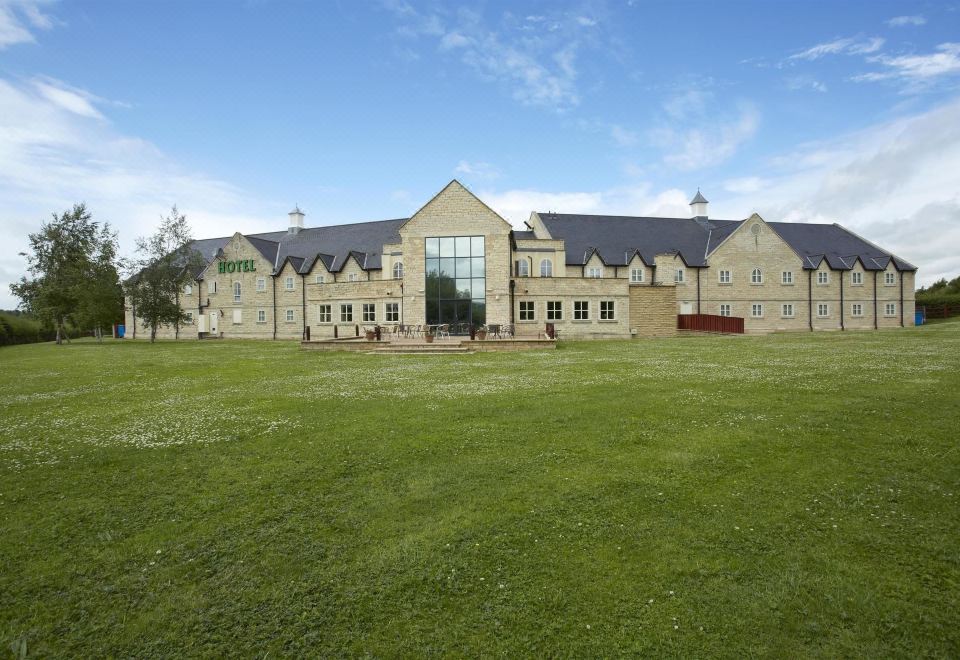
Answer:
(456, 281)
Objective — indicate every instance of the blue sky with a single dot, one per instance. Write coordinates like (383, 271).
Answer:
(813, 112)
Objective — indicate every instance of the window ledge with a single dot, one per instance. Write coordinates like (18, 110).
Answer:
(786, 284)
(724, 283)
(608, 320)
(581, 321)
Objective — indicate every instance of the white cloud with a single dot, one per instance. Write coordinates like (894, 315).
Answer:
(477, 170)
(917, 68)
(748, 184)
(17, 17)
(901, 21)
(624, 137)
(70, 99)
(846, 45)
(800, 83)
(713, 140)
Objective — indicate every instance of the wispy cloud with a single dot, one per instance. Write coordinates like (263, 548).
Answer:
(843, 46)
(917, 68)
(477, 170)
(624, 137)
(694, 138)
(902, 21)
(19, 19)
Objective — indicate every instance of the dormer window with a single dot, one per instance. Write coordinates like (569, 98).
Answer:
(595, 272)
(679, 276)
(856, 278)
(289, 283)
(523, 268)
(546, 268)
(398, 270)
(352, 277)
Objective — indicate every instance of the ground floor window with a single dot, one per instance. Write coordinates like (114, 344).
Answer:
(290, 316)
(526, 310)
(725, 310)
(823, 310)
(787, 311)
(756, 310)
(607, 310)
(324, 314)
(856, 309)
(392, 312)
(261, 316)
(189, 317)
(581, 310)
(346, 313)
(369, 313)
(890, 309)
(554, 310)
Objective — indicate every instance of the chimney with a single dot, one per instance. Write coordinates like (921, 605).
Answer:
(296, 220)
(698, 206)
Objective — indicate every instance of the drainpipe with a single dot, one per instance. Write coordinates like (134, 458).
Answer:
(901, 308)
(303, 311)
(810, 297)
(512, 284)
(401, 303)
(842, 312)
(274, 278)
(876, 322)
(698, 292)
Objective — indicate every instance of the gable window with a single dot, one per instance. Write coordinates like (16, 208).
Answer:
(346, 313)
(889, 279)
(756, 277)
(289, 283)
(320, 279)
(581, 310)
(523, 268)
(890, 309)
(725, 310)
(787, 311)
(554, 310)
(392, 312)
(289, 316)
(261, 316)
(189, 318)
(856, 309)
(786, 277)
(595, 272)
(856, 278)
(398, 270)
(236, 292)
(211, 286)
(725, 277)
(823, 277)
(352, 277)
(187, 289)
(261, 284)
(546, 268)
(369, 312)
(756, 310)
(823, 310)
(607, 310)
(324, 314)
(526, 310)
(636, 275)
(678, 276)
(237, 316)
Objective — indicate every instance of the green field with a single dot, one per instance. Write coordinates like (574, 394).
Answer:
(788, 495)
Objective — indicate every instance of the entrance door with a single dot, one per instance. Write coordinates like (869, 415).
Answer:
(213, 322)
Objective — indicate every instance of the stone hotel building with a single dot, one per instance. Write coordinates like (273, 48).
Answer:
(592, 276)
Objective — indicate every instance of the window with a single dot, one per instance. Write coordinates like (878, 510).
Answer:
(823, 310)
(889, 279)
(261, 284)
(455, 288)
(786, 277)
(787, 311)
(369, 313)
(290, 316)
(392, 312)
(856, 309)
(324, 314)
(398, 270)
(189, 318)
(289, 284)
(724, 277)
(546, 268)
(607, 310)
(636, 275)
(725, 310)
(237, 316)
(320, 279)
(595, 272)
(856, 278)
(526, 310)
(756, 277)
(678, 276)
(554, 310)
(523, 268)
(187, 289)
(236, 292)
(823, 277)
(353, 277)
(890, 309)
(346, 313)
(756, 310)
(581, 310)
(261, 316)
(211, 286)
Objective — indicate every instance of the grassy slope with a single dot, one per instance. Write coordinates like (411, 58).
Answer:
(778, 495)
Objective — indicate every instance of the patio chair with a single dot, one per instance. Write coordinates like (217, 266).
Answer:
(493, 330)
(508, 331)
(443, 331)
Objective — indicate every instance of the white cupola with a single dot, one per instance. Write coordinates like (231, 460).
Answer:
(698, 206)
(296, 220)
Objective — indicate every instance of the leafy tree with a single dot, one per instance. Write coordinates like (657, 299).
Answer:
(165, 264)
(61, 260)
(101, 299)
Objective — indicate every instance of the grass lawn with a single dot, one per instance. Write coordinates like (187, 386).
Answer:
(703, 496)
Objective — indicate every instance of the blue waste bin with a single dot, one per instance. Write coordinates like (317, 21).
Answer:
(918, 317)
(120, 331)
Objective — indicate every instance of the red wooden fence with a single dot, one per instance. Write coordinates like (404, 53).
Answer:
(940, 311)
(710, 323)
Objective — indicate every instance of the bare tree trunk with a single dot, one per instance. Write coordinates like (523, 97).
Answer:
(153, 333)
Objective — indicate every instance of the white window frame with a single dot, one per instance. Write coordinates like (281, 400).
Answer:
(211, 287)
(787, 311)
(725, 277)
(726, 309)
(352, 277)
(856, 278)
(237, 291)
(581, 310)
(679, 276)
(856, 310)
(368, 312)
(889, 279)
(756, 310)
(786, 277)
(187, 290)
(523, 268)
(189, 318)
(290, 316)
(398, 270)
(391, 312)
(261, 284)
(261, 316)
(527, 310)
(346, 312)
(320, 279)
(890, 309)
(823, 310)
(324, 313)
(546, 268)
(608, 310)
(636, 275)
(823, 278)
(756, 276)
(595, 272)
(288, 283)
(554, 310)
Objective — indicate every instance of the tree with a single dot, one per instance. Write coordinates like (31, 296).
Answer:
(101, 299)
(166, 263)
(63, 256)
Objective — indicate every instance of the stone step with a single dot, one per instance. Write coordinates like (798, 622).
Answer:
(422, 350)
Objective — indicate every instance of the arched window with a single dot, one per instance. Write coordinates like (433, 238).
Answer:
(398, 270)
(236, 292)
(546, 268)
(523, 268)
(756, 277)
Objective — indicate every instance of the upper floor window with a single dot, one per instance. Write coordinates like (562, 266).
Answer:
(756, 277)
(261, 284)
(523, 268)
(320, 279)
(786, 277)
(595, 272)
(289, 283)
(236, 292)
(679, 275)
(546, 268)
(187, 289)
(353, 277)
(398, 270)
(856, 277)
(823, 277)
(889, 278)
(724, 277)
(636, 274)
(211, 286)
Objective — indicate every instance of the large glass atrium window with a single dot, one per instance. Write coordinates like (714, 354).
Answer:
(456, 281)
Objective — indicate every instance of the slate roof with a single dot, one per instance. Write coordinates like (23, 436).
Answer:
(699, 199)
(617, 238)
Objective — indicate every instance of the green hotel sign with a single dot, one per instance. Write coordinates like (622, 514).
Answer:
(240, 266)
